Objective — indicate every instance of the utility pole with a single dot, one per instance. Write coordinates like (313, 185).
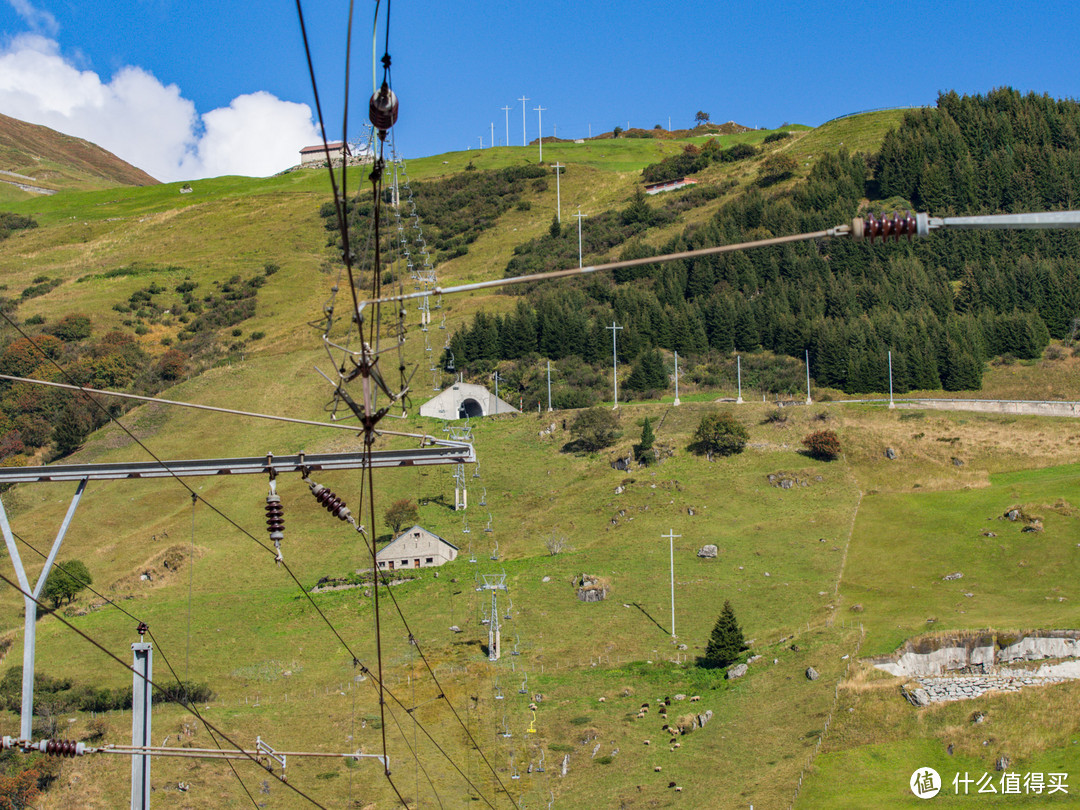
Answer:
(549, 385)
(614, 358)
(676, 378)
(671, 550)
(506, 109)
(558, 191)
(738, 366)
(496, 377)
(808, 400)
(540, 124)
(523, 99)
(141, 699)
(492, 133)
(481, 137)
(891, 403)
(580, 216)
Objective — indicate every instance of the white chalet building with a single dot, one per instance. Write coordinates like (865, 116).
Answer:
(415, 548)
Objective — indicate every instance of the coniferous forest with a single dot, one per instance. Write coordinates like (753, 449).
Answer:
(943, 305)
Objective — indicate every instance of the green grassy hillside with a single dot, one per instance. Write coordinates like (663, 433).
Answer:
(860, 530)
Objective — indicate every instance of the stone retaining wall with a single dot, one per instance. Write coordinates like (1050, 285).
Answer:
(975, 662)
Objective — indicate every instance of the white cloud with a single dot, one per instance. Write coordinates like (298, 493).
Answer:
(38, 20)
(147, 123)
(257, 134)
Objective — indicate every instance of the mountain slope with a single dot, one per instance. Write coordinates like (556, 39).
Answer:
(40, 157)
(226, 615)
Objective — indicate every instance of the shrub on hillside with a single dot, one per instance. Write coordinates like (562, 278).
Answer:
(776, 168)
(172, 365)
(65, 581)
(595, 428)
(823, 445)
(72, 328)
(400, 514)
(720, 433)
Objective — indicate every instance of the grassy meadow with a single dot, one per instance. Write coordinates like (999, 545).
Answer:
(859, 531)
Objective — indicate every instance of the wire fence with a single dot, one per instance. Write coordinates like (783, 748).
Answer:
(809, 763)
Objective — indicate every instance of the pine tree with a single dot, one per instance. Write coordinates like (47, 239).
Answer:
(726, 642)
(643, 451)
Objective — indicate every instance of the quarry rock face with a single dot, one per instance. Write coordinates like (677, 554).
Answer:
(967, 667)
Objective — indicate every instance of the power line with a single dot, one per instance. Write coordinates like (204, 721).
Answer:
(160, 401)
(859, 229)
(187, 704)
(233, 523)
(160, 649)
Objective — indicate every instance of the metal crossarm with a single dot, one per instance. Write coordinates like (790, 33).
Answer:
(443, 453)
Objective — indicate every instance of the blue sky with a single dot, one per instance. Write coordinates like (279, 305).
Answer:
(193, 88)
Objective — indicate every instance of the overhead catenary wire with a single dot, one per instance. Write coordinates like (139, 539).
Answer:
(157, 644)
(150, 681)
(232, 522)
(235, 525)
(424, 437)
(368, 356)
(160, 401)
(244, 531)
(920, 224)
